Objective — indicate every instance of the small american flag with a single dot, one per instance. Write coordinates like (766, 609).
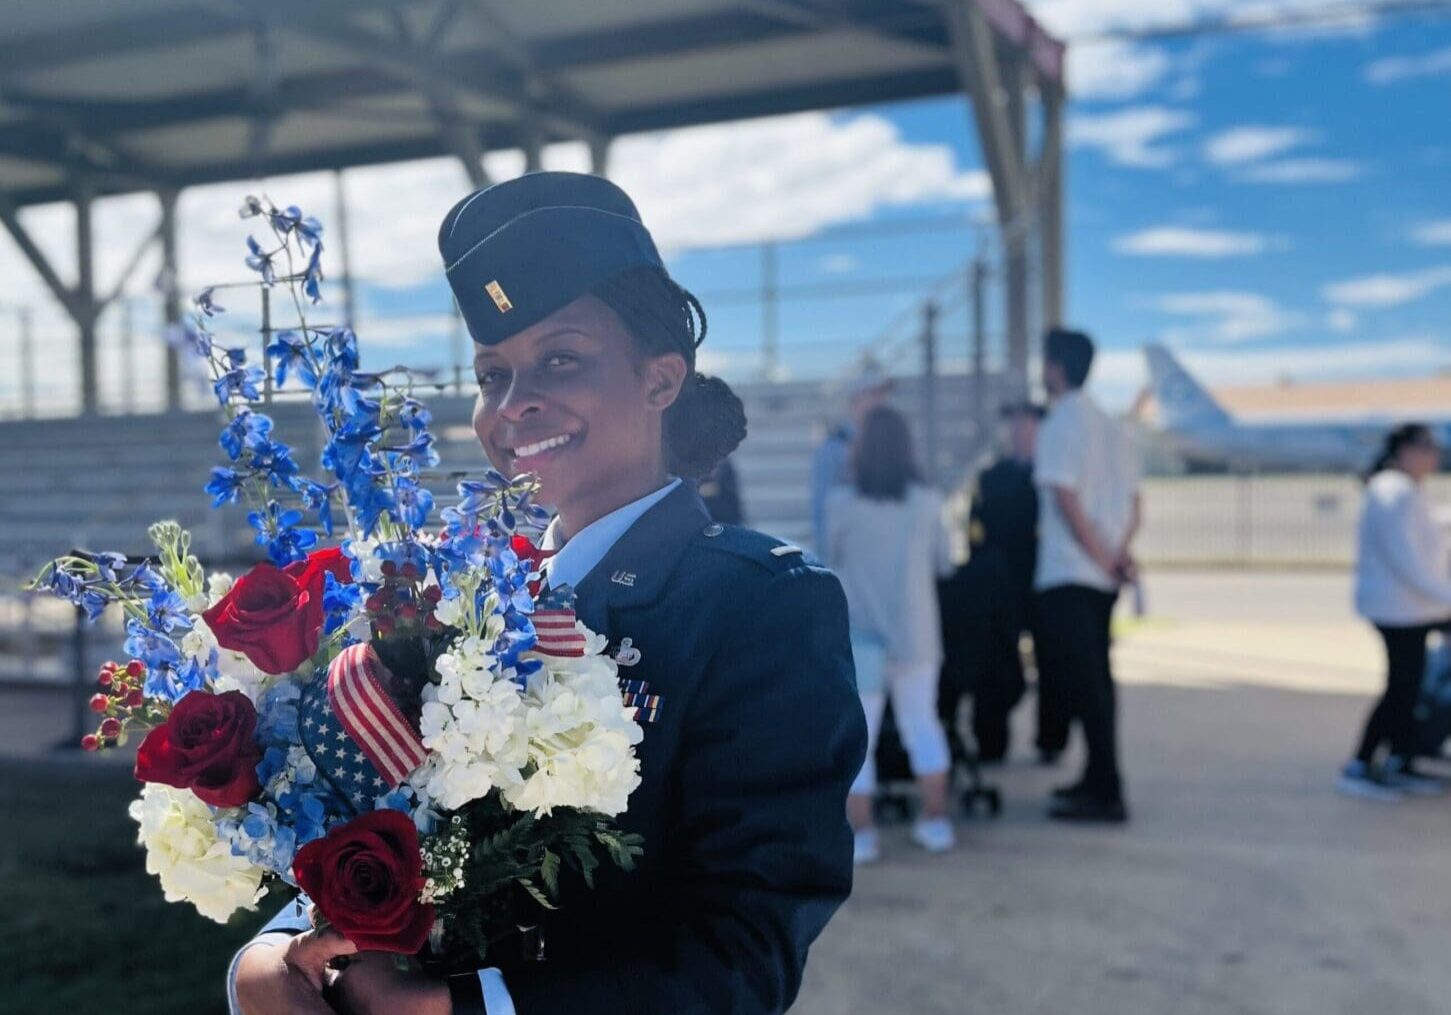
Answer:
(356, 692)
(554, 624)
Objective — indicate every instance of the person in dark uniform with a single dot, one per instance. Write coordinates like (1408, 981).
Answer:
(1003, 535)
(586, 366)
(721, 492)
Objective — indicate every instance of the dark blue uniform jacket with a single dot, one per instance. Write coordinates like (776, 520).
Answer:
(745, 772)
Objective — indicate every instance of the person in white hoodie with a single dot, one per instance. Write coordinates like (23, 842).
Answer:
(1403, 587)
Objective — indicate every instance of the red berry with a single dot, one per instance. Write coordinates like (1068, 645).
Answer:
(409, 571)
(104, 678)
(135, 699)
(433, 593)
(407, 612)
(135, 668)
(89, 742)
(111, 727)
(433, 623)
(375, 603)
(389, 568)
(99, 702)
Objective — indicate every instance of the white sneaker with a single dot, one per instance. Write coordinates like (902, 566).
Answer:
(866, 847)
(1358, 779)
(935, 835)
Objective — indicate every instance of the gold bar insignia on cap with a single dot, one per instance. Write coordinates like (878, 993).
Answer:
(496, 293)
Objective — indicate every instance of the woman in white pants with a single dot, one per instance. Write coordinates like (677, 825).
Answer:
(887, 541)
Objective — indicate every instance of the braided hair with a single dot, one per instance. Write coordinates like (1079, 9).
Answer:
(707, 421)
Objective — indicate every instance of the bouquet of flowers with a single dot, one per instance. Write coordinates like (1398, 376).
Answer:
(404, 726)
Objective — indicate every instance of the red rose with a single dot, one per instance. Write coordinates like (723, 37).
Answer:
(365, 877)
(206, 746)
(275, 616)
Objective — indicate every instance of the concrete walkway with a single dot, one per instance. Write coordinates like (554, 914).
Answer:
(1243, 885)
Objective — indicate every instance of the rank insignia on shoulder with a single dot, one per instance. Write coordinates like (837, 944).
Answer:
(497, 294)
(785, 549)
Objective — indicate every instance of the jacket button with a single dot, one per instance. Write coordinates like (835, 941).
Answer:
(714, 529)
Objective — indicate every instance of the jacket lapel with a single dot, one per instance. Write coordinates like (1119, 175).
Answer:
(634, 572)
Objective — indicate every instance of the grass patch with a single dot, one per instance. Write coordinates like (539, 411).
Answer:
(86, 928)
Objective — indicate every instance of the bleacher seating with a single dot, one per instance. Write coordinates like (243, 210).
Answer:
(97, 483)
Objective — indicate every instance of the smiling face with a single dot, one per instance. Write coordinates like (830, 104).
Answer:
(572, 400)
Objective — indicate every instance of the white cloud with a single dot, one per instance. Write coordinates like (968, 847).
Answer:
(1433, 234)
(1114, 70)
(1399, 68)
(1227, 316)
(1253, 143)
(777, 178)
(1130, 137)
(1342, 320)
(838, 264)
(1183, 241)
(1387, 290)
(1302, 171)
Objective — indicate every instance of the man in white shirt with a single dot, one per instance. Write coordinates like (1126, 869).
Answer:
(1087, 478)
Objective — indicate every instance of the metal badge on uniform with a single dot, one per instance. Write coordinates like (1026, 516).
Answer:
(625, 578)
(627, 654)
(500, 298)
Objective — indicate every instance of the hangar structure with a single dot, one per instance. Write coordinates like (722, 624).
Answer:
(99, 98)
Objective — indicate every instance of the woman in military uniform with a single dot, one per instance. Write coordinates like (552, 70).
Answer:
(586, 370)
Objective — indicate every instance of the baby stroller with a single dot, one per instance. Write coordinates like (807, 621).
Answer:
(965, 612)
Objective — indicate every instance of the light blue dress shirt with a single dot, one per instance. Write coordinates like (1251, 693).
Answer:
(571, 563)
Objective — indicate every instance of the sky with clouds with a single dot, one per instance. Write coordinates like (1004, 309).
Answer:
(1272, 205)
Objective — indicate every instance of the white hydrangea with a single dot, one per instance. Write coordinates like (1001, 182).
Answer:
(218, 585)
(581, 740)
(235, 671)
(365, 552)
(473, 726)
(183, 850)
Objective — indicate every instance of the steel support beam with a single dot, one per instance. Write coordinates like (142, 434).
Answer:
(1050, 215)
(84, 308)
(1017, 231)
(599, 155)
(170, 296)
(460, 137)
(10, 218)
(340, 197)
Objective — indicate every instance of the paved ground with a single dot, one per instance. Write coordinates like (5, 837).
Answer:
(1242, 886)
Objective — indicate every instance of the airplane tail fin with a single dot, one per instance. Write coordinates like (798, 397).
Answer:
(1183, 402)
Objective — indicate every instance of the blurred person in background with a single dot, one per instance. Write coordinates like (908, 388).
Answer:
(887, 541)
(721, 493)
(831, 462)
(1089, 512)
(1003, 536)
(1403, 587)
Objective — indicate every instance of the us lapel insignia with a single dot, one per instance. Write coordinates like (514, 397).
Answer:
(627, 654)
(625, 578)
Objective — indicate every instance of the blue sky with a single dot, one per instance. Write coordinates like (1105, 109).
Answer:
(1271, 206)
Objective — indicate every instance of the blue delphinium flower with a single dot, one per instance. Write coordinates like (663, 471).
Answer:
(339, 601)
(108, 564)
(290, 354)
(260, 261)
(319, 498)
(411, 503)
(206, 304)
(312, 275)
(73, 589)
(224, 486)
(146, 577)
(418, 453)
(239, 381)
(247, 426)
(166, 612)
(414, 414)
(276, 530)
(175, 682)
(274, 460)
(152, 647)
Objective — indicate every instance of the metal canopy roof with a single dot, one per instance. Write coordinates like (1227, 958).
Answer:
(162, 94)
